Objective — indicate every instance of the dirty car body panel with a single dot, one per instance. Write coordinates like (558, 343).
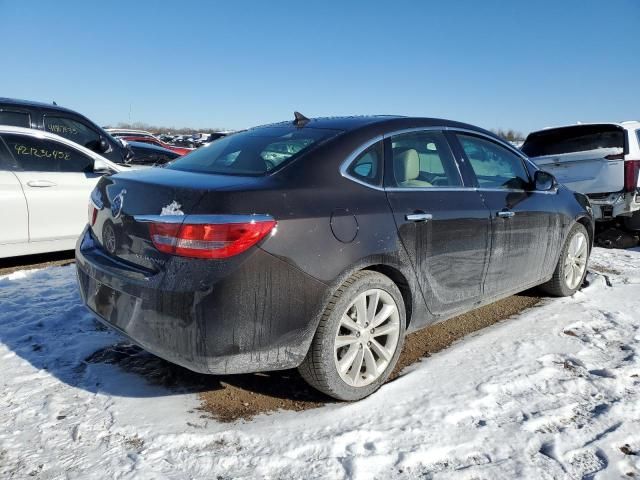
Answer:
(333, 212)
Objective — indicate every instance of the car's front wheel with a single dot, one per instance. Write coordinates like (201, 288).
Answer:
(572, 264)
(359, 338)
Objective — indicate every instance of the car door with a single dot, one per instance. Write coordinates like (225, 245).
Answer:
(443, 223)
(57, 180)
(14, 215)
(85, 134)
(523, 220)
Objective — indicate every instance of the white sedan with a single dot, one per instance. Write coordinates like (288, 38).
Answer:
(45, 184)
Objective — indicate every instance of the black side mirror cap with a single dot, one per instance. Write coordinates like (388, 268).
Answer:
(102, 146)
(544, 181)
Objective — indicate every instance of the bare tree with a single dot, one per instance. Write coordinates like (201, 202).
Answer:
(509, 135)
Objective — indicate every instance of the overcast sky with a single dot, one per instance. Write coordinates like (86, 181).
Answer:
(235, 64)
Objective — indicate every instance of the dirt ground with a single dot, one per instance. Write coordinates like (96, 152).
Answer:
(244, 396)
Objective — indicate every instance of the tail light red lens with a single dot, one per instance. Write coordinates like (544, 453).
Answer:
(197, 240)
(631, 169)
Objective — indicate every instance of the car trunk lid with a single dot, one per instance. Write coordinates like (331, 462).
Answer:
(124, 203)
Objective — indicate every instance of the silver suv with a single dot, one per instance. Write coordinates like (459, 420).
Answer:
(601, 160)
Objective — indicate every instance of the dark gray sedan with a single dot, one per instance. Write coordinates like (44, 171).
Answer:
(319, 244)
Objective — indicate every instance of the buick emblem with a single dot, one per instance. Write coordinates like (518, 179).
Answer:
(109, 238)
(117, 203)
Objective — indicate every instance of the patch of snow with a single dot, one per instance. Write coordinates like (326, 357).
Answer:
(551, 393)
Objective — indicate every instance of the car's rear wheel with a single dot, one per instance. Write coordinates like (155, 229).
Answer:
(359, 338)
(572, 264)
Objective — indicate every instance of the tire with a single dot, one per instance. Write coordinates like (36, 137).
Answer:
(560, 284)
(376, 347)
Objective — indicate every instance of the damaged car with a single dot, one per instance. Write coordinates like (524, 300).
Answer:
(600, 160)
(320, 243)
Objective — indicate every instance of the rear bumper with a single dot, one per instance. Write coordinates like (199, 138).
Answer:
(614, 205)
(260, 316)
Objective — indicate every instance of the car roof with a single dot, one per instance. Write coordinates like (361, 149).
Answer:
(379, 122)
(628, 125)
(31, 104)
(631, 124)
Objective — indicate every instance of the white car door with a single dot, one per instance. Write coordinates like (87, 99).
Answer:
(57, 180)
(14, 216)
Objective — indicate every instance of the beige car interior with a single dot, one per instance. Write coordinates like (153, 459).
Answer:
(406, 164)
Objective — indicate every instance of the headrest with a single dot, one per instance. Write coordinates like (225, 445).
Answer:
(406, 165)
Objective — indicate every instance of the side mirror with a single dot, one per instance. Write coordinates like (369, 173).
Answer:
(544, 181)
(101, 168)
(102, 146)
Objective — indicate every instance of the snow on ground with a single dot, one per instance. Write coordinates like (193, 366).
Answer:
(551, 393)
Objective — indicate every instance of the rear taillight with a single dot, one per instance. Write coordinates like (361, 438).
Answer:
(208, 240)
(92, 214)
(95, 204)
(631, 169)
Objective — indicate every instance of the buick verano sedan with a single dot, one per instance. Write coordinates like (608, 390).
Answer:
(321, 243)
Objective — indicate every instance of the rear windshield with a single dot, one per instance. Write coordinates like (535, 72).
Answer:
(579, 138)
(254, 152)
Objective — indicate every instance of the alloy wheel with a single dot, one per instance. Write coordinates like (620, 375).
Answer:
(575, 262)
(367, 337)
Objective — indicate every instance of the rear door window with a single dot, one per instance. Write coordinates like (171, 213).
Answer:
(578, 138)
(493, 165)
(15, 119)
(423, 160)
(73, 130)
(39, 155)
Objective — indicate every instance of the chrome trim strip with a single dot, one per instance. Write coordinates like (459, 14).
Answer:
(413, 130)
(464, 189)
(204, 219)
(344, 166)
(516, 190)
(430, 189)
(489, 137)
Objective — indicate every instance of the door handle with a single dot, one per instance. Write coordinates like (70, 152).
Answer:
(506, 214)
(41, 183)
(418, 217)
